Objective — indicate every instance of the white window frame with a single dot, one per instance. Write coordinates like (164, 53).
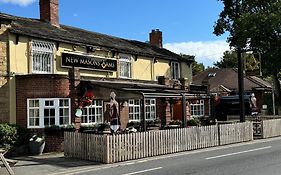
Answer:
(134, 110)
(42, 107)
(174, 71)
(94, 113)
(42, 57)
(125, 62)
(150, 104)
(197, 109)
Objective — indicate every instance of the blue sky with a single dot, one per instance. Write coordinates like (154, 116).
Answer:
(187, 25)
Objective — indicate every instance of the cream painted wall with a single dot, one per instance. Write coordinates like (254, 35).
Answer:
(162, 68)
(186, 72)
(18, 54)
(18, 59)
(142, 69)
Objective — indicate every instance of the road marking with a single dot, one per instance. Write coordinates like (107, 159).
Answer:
(231, 154)
(137, 172)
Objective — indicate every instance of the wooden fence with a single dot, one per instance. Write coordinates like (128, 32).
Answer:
(271, 128)
(122, 147)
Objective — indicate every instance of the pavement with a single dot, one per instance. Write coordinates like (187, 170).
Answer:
(57, 164)
(48, 163)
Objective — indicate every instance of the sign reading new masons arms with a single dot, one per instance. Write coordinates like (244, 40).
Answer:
(87, 62)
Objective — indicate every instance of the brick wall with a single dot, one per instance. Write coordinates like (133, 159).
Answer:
(54, 143)
(124, 115)
(163, 111)
(38, 86)
(49, 11)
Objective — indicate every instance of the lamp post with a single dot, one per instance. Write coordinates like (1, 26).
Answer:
(241, 84)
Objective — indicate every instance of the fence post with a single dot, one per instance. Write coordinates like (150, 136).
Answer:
(219, 135)
(107, 152)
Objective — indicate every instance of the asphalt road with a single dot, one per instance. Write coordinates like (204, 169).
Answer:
(261, 157)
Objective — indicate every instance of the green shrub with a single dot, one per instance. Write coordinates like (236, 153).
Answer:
(57, 130)
(12, 135)
(175, 122)
(193, 122)
(69, 127)
(88, 128)
(52, 130)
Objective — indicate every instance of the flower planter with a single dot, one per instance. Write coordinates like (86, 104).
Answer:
(36, 148)
(36, 145)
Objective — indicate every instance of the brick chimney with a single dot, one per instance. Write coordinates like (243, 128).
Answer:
(49, 11)
(155, 38)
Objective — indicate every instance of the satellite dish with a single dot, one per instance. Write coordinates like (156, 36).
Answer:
(78, 112)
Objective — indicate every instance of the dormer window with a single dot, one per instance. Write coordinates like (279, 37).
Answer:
(125, 66)
(211, 74)
(42, 56)
(175, 70)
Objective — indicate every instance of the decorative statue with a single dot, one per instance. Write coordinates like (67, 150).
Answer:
(253, 104)
(114, 113)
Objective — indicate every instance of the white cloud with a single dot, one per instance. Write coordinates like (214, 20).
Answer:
(206, 52)
(19, 2)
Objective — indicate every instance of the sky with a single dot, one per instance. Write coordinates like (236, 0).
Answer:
(187, 25)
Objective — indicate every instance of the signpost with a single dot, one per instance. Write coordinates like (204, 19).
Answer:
(198, 89)
(88, 62)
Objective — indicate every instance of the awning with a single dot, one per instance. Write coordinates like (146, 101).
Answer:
(125, 90)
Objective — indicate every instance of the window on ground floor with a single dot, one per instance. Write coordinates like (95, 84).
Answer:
(150, 109)
(93, 113)
(197, 108)
(43, 112)
(135, 108)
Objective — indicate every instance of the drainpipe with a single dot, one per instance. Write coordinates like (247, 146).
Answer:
(183, 110)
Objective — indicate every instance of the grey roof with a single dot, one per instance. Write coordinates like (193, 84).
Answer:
(67, 34)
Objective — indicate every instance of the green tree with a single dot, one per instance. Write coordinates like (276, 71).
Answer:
(254, 25)
(229, 60)
(197, 68)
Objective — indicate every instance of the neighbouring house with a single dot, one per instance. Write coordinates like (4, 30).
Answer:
(49, 70)
(224, 82)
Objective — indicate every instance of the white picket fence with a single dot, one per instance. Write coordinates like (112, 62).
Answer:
(122, 147)
(271, 128)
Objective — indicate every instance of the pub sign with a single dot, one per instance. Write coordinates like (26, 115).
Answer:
(88, 62)
(198, 89)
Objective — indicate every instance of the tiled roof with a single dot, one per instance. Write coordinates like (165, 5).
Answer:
(228, 78)
(38, 29)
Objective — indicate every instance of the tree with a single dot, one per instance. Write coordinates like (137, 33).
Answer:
(197, 68)
(229, 60)
(256, 26)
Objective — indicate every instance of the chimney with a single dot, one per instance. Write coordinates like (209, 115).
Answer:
(49, 11)
(155, 38)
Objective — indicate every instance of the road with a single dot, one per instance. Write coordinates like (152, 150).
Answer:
(262, 157)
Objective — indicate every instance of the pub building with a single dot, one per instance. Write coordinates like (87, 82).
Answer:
(49, 71)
